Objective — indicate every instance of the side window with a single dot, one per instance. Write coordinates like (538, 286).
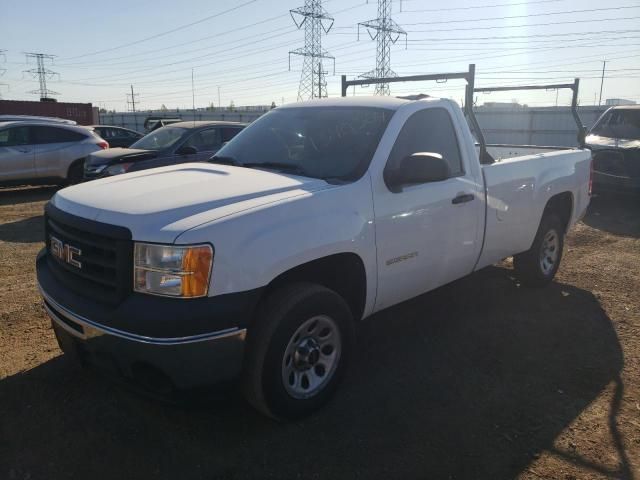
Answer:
(429, 130)
(229, 132)
(56, 135)
(205, 140)
(14, 136)
(102, 132)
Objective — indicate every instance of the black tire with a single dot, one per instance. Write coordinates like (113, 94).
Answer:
(282, 314)
(529, 266)
(76, 172)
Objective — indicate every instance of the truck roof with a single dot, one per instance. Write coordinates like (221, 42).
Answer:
(392, 103)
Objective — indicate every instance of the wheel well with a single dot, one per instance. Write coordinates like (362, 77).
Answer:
(562, 205)
(343, 273)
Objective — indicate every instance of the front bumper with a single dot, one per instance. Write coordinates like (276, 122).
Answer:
(189, 345)
(159, 364)
(603, 182)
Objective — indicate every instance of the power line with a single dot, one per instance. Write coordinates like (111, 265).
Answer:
(524, 25)
(387, 32)
(315, 20)
(528, 15)
(510, 37)
(42, 73)
(472, 7)
(167, 32)
(199, 40)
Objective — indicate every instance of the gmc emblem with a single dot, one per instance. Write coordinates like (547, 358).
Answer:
(65, 252)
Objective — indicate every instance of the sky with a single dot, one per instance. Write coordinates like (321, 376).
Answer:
(238, 49)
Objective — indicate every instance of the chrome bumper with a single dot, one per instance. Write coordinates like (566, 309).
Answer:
(89, 329)
(182, 362)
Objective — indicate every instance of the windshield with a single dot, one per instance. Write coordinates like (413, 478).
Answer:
(322, 142)
(619, 123)
(160, 139)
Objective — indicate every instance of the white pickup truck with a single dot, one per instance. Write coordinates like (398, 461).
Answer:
(259, 264)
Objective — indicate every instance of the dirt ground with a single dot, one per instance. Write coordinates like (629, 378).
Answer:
(481, 379)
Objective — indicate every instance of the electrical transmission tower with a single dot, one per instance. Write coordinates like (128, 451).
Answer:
(386, 32)
(315, 19)
(42, 73)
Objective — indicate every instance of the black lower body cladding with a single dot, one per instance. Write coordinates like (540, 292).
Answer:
(189, 342)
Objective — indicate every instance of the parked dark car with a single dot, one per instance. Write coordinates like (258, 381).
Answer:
(117, 136)
(177, 143)
(615, 143)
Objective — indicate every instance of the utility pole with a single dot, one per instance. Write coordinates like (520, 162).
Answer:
(2, 71)
(219, 104)
(42, 73)
(386, 32)
(315, 20)
(604, 64)
(131, 100)
(193, 99)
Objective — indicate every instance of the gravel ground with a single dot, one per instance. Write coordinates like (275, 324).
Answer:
(480, 379)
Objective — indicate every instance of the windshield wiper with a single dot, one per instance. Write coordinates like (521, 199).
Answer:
(287, 167)
(225, 161)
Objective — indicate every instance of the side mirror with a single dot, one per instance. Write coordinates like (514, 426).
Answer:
(187, 150)
(420, 167)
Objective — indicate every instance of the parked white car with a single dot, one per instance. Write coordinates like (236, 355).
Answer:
(37, 152)
(314, 217)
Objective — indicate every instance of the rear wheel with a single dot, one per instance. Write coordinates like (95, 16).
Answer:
(297, 351)
(537, 266)
(76, 172)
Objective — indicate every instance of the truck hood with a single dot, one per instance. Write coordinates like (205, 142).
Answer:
(597, 142)
(110, 155)
(159, 204)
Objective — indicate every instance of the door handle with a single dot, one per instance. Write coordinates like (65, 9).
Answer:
(463, 198)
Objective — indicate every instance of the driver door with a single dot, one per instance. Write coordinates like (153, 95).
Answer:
(427, 234)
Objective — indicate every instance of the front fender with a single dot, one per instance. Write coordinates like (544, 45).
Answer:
(255, 246)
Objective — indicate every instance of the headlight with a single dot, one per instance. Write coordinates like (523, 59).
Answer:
(119, 168)
(172, 270)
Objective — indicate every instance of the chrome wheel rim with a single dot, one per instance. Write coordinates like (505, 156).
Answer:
(549, 252)
(311, 357)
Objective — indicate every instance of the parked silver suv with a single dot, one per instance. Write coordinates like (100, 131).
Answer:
(45, 153)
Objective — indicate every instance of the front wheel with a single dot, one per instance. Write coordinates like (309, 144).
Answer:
(537, 266)
(297, 350)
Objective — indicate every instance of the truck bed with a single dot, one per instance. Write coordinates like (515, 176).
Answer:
(517, 190)
(505, 151)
